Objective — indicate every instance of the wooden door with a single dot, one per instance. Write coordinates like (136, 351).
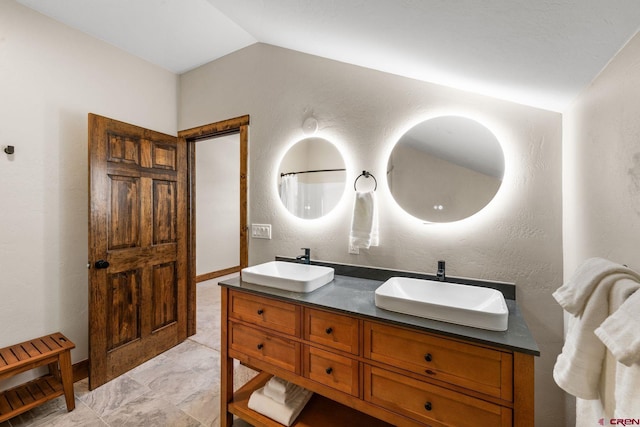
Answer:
(137, 246)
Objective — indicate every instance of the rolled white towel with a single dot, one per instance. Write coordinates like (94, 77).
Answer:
(283, 413)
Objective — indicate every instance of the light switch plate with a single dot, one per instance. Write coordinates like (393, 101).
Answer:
(261, 231)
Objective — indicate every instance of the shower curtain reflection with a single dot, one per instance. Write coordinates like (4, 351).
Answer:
(309, 200)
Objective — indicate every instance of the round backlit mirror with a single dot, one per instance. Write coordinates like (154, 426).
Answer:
(445, 169)
(311, 178)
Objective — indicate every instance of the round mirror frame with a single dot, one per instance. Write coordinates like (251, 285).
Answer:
(311, 178)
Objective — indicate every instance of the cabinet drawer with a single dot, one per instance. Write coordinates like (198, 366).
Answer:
(430, 404)
(266, 312)
(331, 329)
(332, 370)
(477, 368)
(260, 345)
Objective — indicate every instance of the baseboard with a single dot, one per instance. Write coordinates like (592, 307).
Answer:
(214, 274)
(80, 370)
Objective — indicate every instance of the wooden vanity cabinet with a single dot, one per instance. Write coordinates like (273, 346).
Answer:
(369, 372)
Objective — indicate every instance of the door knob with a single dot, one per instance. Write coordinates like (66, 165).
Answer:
(101, 264)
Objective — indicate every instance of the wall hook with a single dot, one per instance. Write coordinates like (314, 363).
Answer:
(9, 149)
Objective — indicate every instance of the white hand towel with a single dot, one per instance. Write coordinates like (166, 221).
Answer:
(573, 295)
(578, 367)
(284, 414)
(364, 222)
(621, 331)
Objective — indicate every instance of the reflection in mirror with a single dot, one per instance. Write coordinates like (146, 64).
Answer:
(445, 169)
(311, 178)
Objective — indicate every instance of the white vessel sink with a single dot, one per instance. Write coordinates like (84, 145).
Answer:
(475, 306)
(288, 276)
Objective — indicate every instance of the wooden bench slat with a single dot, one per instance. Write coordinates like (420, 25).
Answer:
(5, 408)
(51, 343)
(20, 353)
(35, 390)
(53, 384)
(48, 342)
(14, 399)
(42, 348)
(31, 350)
(25, 396)
(8, 356)
(62, 341)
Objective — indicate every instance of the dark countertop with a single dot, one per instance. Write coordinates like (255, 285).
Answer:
(354, 295)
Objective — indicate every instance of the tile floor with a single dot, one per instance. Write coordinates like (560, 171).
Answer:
(177, 388)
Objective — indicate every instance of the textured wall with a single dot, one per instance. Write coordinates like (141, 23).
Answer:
(51, 77)
(601, 168)
(518, 237)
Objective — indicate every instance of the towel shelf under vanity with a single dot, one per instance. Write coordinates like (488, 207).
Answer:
(380, 373)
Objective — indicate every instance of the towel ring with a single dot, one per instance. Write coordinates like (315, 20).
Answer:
(366, 175)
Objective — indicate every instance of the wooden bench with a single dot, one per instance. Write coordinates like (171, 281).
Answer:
(53, 350)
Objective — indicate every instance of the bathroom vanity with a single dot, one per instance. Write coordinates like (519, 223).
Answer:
(368, 366)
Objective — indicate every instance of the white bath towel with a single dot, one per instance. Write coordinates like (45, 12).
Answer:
(283, 413)
(364, 222)
(620, 332)
(619, 384)
(573, 295)
(578, 367)
(627, 395)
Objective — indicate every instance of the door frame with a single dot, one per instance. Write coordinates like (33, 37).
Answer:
(239, 125)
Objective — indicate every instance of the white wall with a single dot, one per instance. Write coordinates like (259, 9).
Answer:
(518, 237)
(601, 167)
(51, 77)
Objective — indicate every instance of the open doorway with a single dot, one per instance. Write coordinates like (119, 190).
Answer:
(217, 160)
(217, 208)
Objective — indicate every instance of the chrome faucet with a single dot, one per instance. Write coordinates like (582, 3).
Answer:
(306, 258)
(440, 274)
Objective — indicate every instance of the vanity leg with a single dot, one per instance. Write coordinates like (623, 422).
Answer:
(523, 388)
(226, 364)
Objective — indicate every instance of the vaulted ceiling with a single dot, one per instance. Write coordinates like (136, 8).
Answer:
(536, 52)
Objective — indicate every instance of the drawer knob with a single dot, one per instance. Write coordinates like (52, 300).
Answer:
(427, 406)
(428, 357)
(328, 370)
(260, 346)
(260, 311)
(329, 330)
